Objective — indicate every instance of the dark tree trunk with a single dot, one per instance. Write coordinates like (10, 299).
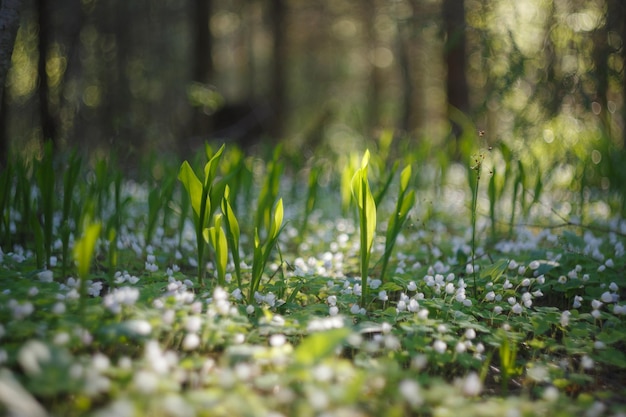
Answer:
(9, 24)
(47, 119)
(278, 94)
(203, 61)
(455, 60)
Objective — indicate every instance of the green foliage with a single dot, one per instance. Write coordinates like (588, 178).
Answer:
(404, 203)
(311, 196)
(474, 174)
(216, 237)
(366, 208)
(45, 180)
(233, 233)
(269, 190)
(302, 346)
(508, 361)
(199, 193)
(319, 346)
(70, 177)
(263, 249)
(84, 249)
(5, 190)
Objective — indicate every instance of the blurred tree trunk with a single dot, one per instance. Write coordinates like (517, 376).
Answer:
(375, 77)
(456, 62)
(203, 60)
(411, 118)
(406, 76)
(602, 50)
(616, 20)
(278, 94)
(47, 119)
(9, 24)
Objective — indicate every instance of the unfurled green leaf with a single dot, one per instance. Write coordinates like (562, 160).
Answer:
(277, 220)
(216, 237)
(84, 248)
(232, 232)
(366, 207)
(192, 184)
(319, 346)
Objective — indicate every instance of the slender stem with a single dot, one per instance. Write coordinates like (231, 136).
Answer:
(474, 205)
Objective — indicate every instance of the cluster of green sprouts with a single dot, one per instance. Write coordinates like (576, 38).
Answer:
(211, 195)
(221, 229)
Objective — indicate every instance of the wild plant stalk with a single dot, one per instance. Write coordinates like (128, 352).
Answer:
(216, 237)
(69, 182)
(114, 225)
(185, 202)
(199, 196)
(84, 249)
(508, 356)
(311, 197)
(262, 250)
(474, 183)
(385, 184)
(233, 233)
(158, 200)
(404, 203)
(23, 196)
(45, 181)
(269, 190)
(493, 194)
(38, 237)
(349, 168)
(366, 208)
(5, 191)
(519, 182)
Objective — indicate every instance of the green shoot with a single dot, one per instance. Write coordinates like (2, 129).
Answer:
(404, 203)
(45, 181)
(366, 208)
(232, 233)
(40, 246)
(69, 183)
(517, 184)
(349, 168)
(474, 181)
(262, 250)
(508, 357)
(310, 198)
(154, 205)
(269, 191)
(386, 183)
(84, 249)
(216, 237)
(199, 196)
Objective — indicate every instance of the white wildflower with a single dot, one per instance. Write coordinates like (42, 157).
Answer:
(606, 297)
(440, 346)
(586, 362)
(45, 276)
(277, 340)
(472, 385)
(410, 391)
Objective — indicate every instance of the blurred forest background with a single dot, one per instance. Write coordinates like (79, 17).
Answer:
(140, 76)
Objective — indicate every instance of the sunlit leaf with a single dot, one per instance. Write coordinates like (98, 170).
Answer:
(192, 184)
(319, 346)
(84, 248)
(405, 177)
